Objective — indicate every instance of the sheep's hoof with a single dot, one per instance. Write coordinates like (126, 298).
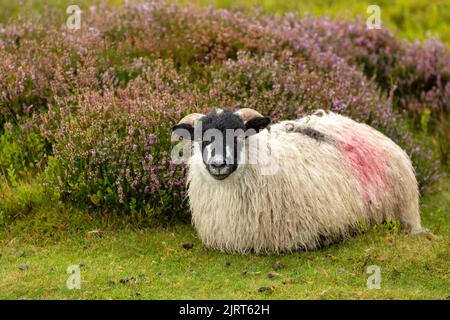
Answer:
(420, 232)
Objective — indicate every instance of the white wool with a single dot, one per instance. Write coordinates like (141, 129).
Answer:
(314, 197)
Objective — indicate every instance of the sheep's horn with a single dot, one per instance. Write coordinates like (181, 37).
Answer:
(246, 114)
(190, 119)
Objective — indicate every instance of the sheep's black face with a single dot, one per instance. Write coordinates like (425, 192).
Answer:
(221, 136)
(222, 139)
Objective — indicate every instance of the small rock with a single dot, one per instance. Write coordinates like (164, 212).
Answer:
(265, 289)
(23, 267)
(125, 280)
(273, 275)
(188, 245)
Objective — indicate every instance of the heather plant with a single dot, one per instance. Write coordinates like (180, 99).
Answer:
(417, 73)
(38, 65)
(287, 86)
(116, 160)
(41, 61)
(190, 36)
(111, 151)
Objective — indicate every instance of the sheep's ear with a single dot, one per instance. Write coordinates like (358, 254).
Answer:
(257, 124)
(253, 120)
(182, 130)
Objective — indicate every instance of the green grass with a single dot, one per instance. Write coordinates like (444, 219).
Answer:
(412, 267)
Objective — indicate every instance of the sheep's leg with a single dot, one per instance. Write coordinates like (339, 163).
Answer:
(410, 220)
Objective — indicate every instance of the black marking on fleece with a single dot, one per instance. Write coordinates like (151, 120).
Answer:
(314, 134)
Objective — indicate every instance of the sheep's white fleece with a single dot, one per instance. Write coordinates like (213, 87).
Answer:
(319, 195)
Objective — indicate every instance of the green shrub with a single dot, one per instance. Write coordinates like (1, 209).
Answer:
(23, 149)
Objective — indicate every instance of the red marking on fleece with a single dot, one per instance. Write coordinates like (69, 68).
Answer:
(364, 159)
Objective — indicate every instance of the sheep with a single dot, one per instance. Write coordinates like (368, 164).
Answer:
(331, 176)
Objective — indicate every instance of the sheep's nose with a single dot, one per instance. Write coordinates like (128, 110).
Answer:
(218, 164)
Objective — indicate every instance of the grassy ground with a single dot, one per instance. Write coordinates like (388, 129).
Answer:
(123, 263)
